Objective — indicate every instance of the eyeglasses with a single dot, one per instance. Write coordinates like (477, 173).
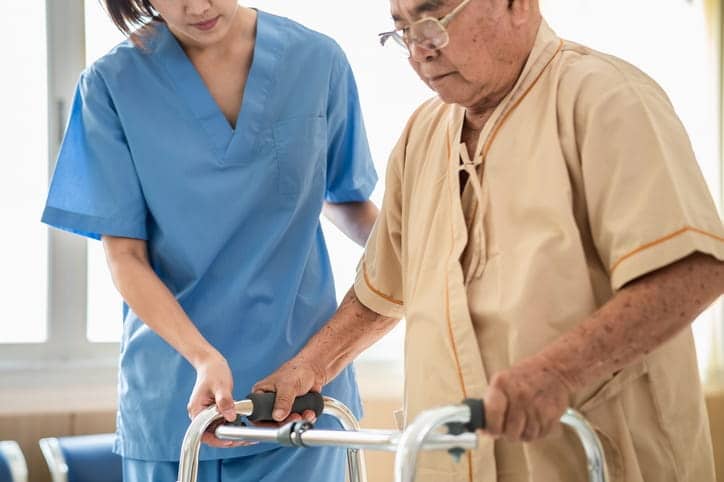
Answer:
(429, 33)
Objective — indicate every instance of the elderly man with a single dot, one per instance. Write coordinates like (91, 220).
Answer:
(549, 238)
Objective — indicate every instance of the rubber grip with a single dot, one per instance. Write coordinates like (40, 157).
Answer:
(263, 404)
(477, 414)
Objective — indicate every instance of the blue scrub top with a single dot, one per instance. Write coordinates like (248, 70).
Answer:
(231, 216)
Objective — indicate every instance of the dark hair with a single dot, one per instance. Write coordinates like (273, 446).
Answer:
(129, 14)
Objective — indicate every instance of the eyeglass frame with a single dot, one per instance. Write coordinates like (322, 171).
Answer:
(441, 22)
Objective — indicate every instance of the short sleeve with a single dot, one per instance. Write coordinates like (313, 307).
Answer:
(647, 200)
(379, 281)
(351, 173)
(95, 189)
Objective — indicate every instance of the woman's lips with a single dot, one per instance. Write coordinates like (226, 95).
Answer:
(207, 25)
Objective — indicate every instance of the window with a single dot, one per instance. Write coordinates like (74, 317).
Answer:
(81, 306)
(47, 266)
(389, 99)
(681, 53)
(24, 175)
(104, 316)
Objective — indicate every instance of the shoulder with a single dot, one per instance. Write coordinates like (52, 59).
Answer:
(126, 62)
(302, 40)
(427, 124)
(591, 79)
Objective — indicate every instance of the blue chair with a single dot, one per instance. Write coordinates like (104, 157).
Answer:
(12, 463)
(82, 458)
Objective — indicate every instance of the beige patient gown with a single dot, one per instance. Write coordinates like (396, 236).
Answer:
(588, 182)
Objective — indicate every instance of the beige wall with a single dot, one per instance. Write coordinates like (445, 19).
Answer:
(27, 429)
(715, 405)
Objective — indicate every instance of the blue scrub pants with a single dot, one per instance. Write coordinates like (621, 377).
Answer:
(278, 465)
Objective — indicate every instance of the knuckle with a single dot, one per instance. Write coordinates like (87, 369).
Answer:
(497, 380)
(298, 385)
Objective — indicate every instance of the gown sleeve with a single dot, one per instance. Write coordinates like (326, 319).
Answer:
(351, 173)
(647, 200)
(379, 281)
(95, 188)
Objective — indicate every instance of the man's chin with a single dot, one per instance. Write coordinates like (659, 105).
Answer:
(449, 97)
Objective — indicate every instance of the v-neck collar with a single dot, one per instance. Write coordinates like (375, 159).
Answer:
(546, 47)
(268, 49)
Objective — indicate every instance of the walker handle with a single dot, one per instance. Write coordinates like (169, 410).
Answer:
(477, 414)
(264, 404)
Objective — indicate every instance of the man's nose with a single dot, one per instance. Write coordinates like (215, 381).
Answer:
(418, 53)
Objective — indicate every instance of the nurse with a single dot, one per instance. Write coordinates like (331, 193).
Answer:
(202, 151)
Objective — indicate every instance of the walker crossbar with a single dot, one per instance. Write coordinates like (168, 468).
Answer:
(421, 434)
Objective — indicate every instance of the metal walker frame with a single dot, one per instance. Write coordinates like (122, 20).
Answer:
(421, 434)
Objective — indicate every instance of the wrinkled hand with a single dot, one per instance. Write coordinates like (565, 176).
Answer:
(214, 383)
(525, 402)
(295, 378)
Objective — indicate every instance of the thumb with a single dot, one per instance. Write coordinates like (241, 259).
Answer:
(225, 404)
(282, 404)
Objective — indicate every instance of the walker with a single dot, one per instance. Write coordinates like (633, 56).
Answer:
(461, 422)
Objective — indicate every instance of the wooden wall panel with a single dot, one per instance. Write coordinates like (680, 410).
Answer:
(92, 422)
(27, 430)
(379, 415)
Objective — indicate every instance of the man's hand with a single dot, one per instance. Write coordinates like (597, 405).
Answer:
(295, 378)
(525, 402)
(353, 328)
(214, 383)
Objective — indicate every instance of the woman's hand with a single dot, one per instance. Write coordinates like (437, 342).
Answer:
(214, 384)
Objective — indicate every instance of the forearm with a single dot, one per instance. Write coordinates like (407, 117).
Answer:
(351, 330)
(152, 301)
(354, 219)
(637, 320)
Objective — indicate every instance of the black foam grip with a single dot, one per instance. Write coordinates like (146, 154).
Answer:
(264, 404)
(477, 414)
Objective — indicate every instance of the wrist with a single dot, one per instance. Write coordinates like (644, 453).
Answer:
(563, 374)
(202, 356)
(318, 363)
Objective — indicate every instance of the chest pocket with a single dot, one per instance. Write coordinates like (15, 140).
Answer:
(300, 148)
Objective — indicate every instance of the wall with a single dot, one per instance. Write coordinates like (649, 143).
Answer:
(715, 405)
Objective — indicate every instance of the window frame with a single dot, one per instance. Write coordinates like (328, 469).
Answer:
(66, 356)
(67, 361)
(714, 376)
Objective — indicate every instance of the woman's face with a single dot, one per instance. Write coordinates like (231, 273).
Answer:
(198, 23)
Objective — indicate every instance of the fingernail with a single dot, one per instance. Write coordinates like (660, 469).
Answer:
(278, 415)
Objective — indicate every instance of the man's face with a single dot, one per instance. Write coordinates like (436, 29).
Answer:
(483, 55)
(197, 23)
